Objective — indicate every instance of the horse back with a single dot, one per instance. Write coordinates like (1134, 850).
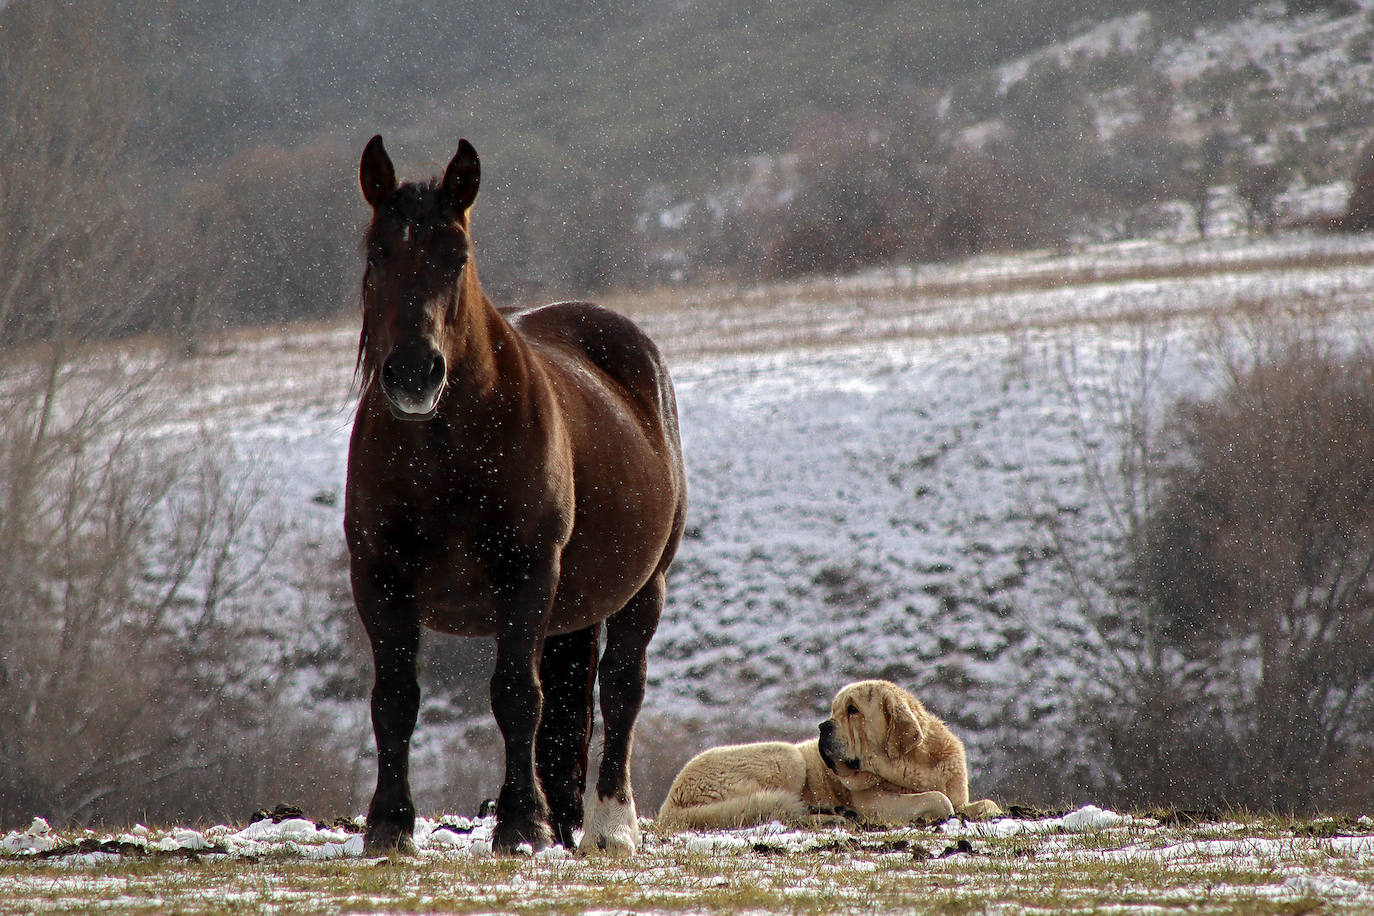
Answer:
(613, 344)
(620, 416)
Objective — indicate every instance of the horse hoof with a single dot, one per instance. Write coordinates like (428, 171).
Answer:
(618, 844)
(563, 834)
(612, 828)
(387, 840)
(513, 833)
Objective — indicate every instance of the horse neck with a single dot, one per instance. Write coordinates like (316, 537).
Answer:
(482, 340)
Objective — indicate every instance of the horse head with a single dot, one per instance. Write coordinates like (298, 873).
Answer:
(418, 253)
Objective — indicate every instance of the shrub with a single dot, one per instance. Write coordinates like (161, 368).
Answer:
(131, 684)
(1230, 661)
(1220, 629)
(1259, 563)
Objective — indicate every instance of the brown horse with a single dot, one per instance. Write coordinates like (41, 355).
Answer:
(514, 475)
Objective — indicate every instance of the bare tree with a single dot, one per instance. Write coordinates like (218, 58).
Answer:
(1259, 186)
(1260, 556)
(126, 678)
(1359, 211)
(74, 264)
(1224, 623)
(1201, 173)
(1129, 714)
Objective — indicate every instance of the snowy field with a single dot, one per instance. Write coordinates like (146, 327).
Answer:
(1087, 860)
(875, 465)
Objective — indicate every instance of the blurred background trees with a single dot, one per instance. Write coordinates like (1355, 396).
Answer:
(123, 653)
(1233, 625)
(625, 142)
(78, 229)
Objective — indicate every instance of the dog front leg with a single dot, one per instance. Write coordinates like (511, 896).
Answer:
(880, 807)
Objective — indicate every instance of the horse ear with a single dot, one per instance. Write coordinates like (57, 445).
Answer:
(461, 178)
(376, 174)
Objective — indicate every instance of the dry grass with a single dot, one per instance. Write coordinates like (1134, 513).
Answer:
(995, 296)
(1263, 866)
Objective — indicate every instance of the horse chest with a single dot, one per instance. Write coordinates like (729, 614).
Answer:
(448, 536)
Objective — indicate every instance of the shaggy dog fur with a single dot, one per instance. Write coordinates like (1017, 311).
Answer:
(881, 755)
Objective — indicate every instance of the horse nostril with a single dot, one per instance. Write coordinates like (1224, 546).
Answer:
(390, 377)
(413, 373)
(437, 370)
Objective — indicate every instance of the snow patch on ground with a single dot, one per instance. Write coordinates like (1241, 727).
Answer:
(1006, 859)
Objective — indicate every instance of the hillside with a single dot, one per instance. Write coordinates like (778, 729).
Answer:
(619, 84)
(695, 140)
(886, 474)
(683, 140)
(913, 291)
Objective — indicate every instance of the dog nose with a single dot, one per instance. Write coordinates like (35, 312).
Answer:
(827, 730)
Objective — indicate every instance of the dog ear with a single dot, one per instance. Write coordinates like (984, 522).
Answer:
(904, 733)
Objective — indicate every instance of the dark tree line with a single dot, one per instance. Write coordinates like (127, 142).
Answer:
(233, 187)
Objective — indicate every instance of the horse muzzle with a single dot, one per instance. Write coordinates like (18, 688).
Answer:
(412, 380)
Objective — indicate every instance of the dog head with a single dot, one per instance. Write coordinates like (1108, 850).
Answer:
(873, 726)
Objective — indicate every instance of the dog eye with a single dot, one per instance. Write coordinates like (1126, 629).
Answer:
(852, 710)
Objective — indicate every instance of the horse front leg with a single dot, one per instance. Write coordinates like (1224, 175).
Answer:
(394, 631)
(612, 823)
(522, 812)
(567, 675)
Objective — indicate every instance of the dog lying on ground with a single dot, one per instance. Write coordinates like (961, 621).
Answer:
(881, 755)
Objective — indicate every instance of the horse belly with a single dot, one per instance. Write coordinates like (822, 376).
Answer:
(628, 480)
(456, 598)
(605, 565)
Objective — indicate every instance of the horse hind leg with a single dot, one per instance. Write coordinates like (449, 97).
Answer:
(567, 673)
(612, 823)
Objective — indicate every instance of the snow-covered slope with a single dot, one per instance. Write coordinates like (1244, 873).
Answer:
(1286, 88)
(879, 502)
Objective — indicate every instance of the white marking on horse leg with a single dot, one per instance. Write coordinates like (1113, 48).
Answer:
(611, 826)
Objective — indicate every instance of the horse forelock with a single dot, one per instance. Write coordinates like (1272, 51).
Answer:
(415, 206)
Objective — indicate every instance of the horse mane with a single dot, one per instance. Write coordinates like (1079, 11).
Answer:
(364, 372)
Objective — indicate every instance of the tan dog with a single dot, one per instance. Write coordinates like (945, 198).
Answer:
(881, 754)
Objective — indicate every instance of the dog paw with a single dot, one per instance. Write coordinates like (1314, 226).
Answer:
(980, 810)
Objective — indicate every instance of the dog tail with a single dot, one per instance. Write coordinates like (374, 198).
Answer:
(745, 811)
